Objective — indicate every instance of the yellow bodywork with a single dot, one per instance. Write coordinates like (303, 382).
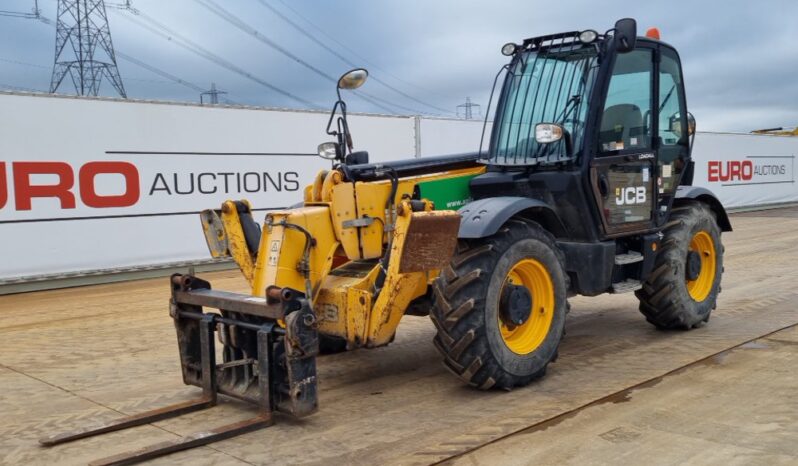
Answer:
(331, 249)
(778, 131)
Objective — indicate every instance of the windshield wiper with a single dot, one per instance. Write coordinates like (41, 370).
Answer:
(569, 106)
(667, 97)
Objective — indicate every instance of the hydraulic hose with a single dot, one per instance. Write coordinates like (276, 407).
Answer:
(304, 267)
(390, 220)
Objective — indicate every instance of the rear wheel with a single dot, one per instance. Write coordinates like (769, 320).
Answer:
(683, 287)
(500, 306)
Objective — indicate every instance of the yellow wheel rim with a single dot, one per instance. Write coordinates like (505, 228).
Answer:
(525, 338)
(700, 288)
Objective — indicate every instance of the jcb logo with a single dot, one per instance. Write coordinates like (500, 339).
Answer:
(630, 196)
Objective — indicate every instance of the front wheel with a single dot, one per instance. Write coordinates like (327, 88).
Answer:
(683, 287)
(500, 306)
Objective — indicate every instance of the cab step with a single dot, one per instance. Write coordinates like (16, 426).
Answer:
(626, 286)
(630, 257)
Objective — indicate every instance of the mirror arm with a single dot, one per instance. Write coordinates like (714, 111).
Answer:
(341, 134)
(569, 143)
(347, 134)
(332, 116)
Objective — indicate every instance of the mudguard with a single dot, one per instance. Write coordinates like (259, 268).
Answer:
(704, 195)
(484, 217)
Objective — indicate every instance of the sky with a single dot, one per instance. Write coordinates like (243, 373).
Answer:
(740, 58)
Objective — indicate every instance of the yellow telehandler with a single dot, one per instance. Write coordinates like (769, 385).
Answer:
(585, 188)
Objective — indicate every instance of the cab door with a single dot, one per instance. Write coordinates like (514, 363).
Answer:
(673, 141)
(623, 172)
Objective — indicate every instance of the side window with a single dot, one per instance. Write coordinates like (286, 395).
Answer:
(672, 121)
(626, 121)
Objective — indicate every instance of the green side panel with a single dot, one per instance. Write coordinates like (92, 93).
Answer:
(448, 193)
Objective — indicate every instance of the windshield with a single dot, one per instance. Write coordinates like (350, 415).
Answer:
(550, 85)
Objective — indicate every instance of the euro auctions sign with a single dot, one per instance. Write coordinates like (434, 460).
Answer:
(747, 170)
(148, 184)
(62, 187)
(752, 170)
(90, 185)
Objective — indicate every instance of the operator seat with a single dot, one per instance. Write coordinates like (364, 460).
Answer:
(622, 123)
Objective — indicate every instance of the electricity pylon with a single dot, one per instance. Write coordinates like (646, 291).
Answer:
(83, 48)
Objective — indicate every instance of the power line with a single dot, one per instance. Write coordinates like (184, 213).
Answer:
(16, 14)
(15, 62)
(241, 25)
(34, 14)
(172, 79)
(165, 32)
(326, 47)
(118, 53)
(159, 72)
(18, 88)
(238, 23)
(354, 53)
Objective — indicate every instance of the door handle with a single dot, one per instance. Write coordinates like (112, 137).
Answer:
(603, 185)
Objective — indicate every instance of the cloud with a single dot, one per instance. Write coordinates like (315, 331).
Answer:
(739, 60)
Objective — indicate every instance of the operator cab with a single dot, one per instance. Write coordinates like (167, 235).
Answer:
(607, 109)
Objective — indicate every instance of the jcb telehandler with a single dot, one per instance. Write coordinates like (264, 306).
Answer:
(585, 188)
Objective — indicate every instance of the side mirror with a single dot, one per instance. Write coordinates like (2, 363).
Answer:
(625, 35)
(675, 122)
(353, 79)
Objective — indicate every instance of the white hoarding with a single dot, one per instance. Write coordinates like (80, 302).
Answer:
(94, 184)
(746, 170)
(441, 136)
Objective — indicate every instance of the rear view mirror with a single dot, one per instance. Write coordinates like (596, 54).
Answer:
(353, 79)
(675, 125)
(625, 35)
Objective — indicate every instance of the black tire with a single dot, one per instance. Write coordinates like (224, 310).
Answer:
(664, 298)
(465, 307)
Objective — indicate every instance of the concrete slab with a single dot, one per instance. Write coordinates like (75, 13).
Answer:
(87, 354)
(736, 409)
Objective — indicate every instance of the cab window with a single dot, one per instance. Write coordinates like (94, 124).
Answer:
(672, 121)
(625, 122)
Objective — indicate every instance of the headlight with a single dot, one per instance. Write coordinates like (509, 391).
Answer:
(328, 150)
(546, 133)
(588, 36)
(508, 49)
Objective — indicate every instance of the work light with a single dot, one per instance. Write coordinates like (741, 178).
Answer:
(546, 133)
(509, 49)
(588, 36)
